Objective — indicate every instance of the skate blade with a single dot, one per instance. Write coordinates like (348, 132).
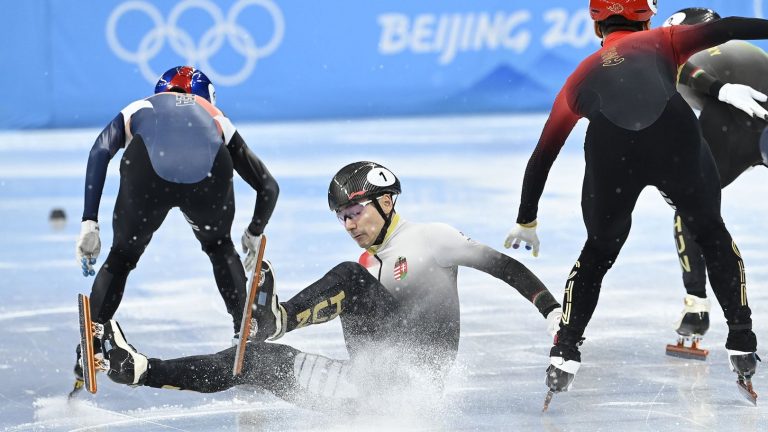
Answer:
(78, 387)
(745, 387)
(687, 352)
(547, 400)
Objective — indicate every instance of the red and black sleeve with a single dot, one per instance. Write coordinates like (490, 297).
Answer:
(688, 40)
(559, 125)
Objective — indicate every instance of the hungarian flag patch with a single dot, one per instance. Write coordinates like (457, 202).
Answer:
(401, 268)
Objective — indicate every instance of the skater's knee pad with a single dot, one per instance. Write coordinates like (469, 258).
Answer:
(357, 280)
(594, 255)
(709, 234)
(120, 263)
(220, 246)
(349, 269)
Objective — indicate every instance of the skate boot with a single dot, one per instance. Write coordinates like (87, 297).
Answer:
(691, 327)
(126, 365)
(745, 365)
(269, 317)
(564, 362)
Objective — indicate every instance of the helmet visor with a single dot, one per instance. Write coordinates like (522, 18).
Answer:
(352, 212)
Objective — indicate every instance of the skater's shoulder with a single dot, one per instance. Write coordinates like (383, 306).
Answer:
(410, 231)
(440, 233)
(427, 227)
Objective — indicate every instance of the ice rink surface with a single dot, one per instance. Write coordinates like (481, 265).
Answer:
(465, 171)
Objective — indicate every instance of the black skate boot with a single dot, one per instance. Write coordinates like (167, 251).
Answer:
(691, 327)
(269, 316)
(745, 365)
(126, 365)
(564, 362)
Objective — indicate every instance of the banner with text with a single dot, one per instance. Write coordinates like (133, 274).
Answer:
(77, 63)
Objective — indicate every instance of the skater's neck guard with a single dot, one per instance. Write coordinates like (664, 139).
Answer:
(390, 223)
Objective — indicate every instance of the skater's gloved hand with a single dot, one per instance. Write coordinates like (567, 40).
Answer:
(553, 321)
(744, 98)
(251, 244)
(525, 233)
(88, 246)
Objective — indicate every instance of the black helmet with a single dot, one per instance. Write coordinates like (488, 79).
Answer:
(690, 16)
(359, 181)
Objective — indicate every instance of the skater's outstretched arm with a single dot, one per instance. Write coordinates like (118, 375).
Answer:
(698, 79)
(455, 249)
(690, 39)
(740, 96)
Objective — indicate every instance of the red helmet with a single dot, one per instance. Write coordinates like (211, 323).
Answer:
(633, 10)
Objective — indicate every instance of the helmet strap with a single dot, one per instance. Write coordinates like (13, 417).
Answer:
(387, 220)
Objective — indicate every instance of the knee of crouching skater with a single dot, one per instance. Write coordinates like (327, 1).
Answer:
(120, 263)
(349, 268)
(217, 246)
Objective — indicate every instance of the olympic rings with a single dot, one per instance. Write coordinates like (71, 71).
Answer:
(197, 53)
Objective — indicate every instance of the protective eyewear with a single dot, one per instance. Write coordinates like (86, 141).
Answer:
(352, 212)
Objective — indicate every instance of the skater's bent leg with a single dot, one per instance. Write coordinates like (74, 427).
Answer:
(691, 260)
(210, 209)
(213, 372)
(136, 218)
(582, 289)
(348, 290)
(307, 379)
(229, 275)
(728, 279)
(109, 285)
(609, 193)
(699, 206)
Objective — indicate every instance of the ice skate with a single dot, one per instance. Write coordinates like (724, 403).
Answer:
(564, 362)
(265, 318)
(691, 327)
(745, 365)
(268, 314)
(125, 364)
(90, 357)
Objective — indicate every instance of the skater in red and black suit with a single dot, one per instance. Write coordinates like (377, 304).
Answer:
(728, 85)
(641, 133)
